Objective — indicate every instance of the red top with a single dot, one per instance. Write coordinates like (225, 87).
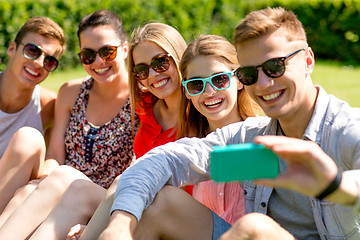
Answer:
(150, 133)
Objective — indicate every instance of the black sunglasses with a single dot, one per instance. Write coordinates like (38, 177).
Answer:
(32, 52)
(108, 53)
(159, 63)
(272, 68)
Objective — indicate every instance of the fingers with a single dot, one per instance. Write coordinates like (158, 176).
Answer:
(75, 232)
(310, 169)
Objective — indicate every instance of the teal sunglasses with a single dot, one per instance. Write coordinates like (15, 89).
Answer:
(219, 81)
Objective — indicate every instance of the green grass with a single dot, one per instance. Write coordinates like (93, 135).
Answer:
(341, 81)
(58, 78)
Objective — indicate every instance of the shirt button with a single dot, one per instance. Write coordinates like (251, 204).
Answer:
(263, 204)
(221, 194)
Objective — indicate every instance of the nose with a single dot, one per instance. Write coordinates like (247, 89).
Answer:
(152, 72)
(209, 90)
(39, 62)
(98, 58)
(263, 81)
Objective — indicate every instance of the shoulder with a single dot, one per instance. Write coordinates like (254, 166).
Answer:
(69, 91)
(47, 96)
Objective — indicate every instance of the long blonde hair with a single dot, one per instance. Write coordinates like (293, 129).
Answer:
(192, 123)
(166, 37)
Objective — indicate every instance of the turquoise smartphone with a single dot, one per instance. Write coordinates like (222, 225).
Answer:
(246, 161)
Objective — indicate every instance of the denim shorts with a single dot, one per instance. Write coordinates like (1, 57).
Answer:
(220, 226)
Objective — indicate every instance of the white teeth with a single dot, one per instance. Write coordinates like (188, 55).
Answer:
(213, 103)
(102, 70)
(271, 96)
(32, 72)
(160, 84)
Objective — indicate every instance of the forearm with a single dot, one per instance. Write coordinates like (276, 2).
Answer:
(122, 226)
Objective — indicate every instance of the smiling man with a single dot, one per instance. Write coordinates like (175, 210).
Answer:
(26, 109)
(315, 135)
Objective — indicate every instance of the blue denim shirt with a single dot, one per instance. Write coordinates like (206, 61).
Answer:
(335, 126)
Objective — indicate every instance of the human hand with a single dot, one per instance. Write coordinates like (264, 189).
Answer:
(75, 232)
(310, 170)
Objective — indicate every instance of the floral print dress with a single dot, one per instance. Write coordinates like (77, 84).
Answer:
(100, 152)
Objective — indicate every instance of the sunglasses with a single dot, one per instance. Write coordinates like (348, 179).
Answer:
(108, 53)
(196, 86)
(272, 68)
(159, 63)
(32, 52)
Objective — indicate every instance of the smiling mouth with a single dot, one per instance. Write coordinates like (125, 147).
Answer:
(160, 83)
(102, 70)
(272, 96)
(35, 74)
(213, 103)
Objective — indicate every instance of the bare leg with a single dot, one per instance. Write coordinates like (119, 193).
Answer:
(77, 205)
(101, 217)
(174, 214)
(256, 226)
(20, 195)
(21, 161)
(30, 214)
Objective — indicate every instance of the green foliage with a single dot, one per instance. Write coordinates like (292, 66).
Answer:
(331, 25)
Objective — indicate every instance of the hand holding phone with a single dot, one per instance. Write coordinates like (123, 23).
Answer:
(246, 161)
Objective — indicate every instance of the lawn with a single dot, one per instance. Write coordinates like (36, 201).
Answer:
(342, 81)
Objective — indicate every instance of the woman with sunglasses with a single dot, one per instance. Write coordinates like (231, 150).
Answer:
(212, 97)
(154, 55)
(155, 50)
(93, 134)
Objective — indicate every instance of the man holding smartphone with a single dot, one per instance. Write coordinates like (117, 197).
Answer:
(316, 136)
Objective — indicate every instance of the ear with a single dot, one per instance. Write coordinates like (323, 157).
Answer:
(11, 49)
(125, 49)
(309, 61)
(239, 85)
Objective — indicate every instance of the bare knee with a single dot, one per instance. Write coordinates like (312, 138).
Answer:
(26, 149)
(256, 226)
(27, 140)
(61, 178)
(83, 195)
(165, 201)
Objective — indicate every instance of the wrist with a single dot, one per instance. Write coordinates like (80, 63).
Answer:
(332, 187)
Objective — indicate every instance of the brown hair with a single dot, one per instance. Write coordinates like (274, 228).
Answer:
(262, 22)
(45, 27)
(192, 123)
(166, 37)
(101, 18)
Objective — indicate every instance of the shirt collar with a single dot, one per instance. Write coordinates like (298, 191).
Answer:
(314, 129)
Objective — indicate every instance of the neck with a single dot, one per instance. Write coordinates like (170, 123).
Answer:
(296, 124)
(172, 102)
(232, 117)
(13, 97)
(113, 89)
